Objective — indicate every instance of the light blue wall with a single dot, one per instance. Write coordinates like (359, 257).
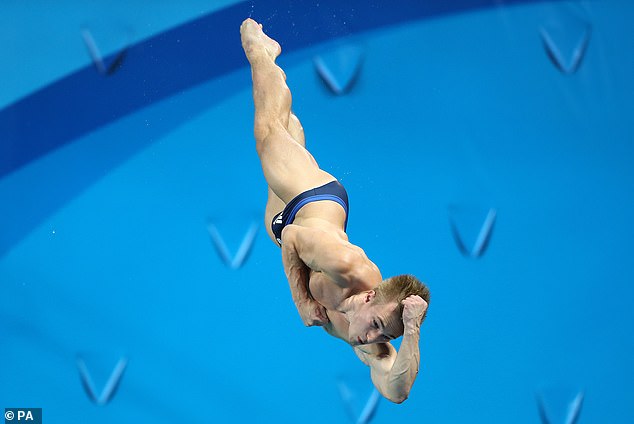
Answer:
(462, 111)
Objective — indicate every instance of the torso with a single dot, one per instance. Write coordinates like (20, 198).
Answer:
(329, 216)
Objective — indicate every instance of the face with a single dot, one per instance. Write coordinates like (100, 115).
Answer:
(374, 324)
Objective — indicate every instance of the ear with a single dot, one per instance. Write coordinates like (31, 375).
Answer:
(369, 295)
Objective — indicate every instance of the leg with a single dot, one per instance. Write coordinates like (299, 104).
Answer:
(275, 205)
(288, 167)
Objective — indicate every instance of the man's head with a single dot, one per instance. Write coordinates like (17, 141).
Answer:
(378, 318)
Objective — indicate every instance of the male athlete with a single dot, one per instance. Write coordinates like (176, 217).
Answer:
(333, 283)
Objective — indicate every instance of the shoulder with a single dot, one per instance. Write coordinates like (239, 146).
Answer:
(327, 251)
(364, 273)
(358, 271)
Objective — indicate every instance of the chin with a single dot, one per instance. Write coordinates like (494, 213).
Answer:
(356, 342)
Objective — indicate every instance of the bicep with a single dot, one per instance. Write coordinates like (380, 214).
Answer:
(380, 362)
(321, 251)
(393, 380)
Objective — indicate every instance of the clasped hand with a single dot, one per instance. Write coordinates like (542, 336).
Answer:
(312, 313)
(414, 308)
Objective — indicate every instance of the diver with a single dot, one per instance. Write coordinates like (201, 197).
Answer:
(333, 283)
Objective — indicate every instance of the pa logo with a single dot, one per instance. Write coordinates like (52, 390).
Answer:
(26, 415)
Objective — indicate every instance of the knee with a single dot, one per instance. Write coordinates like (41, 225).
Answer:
(265, 132)
(261, 131)
(295, 129)
(261, 137)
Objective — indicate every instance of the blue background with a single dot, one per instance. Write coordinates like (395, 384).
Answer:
(109, 184)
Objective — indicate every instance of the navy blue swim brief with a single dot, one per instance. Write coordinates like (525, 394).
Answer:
(333, 191)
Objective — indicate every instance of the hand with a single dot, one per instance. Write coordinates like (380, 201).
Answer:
(414, 308)
(312, 313)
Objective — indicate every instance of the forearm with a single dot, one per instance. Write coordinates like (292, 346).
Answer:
(297, 274)
(401, 376)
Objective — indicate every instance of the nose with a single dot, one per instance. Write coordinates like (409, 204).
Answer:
(372, 336)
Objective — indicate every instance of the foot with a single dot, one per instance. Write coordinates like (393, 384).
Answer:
(255, 42)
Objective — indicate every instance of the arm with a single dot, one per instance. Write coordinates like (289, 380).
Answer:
(393, 373)
(297, 274)
(322, 251)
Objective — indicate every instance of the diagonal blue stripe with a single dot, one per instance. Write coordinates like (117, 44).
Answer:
(316, 198)
(208, 48)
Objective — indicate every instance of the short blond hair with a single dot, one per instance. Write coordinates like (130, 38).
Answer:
(398, 288)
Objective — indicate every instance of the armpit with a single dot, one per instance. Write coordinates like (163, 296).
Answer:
(376, 350)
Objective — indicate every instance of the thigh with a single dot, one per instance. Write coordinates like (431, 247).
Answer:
(274, 205)
(288, 167)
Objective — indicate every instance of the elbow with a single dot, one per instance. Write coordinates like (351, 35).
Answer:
(398, 398)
